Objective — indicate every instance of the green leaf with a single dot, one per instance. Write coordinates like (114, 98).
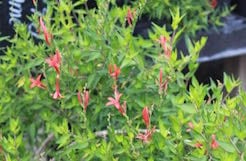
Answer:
(175, 123)
(18, 140)
(226, 146)
(230, 83)
(164, 132)
(79, 145)
(63, 140)
(176, 18)
(21, 82)
(188, 108)
(2, 38)
(93, 80)
(14, 125)
(31, 64)
(93, 56)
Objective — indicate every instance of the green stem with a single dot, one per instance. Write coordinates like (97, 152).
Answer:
(234, 145)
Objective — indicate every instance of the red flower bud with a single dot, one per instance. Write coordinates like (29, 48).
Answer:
(129, 17)
(214, 144)
(47, 35)
(145, 115)
(57, 93)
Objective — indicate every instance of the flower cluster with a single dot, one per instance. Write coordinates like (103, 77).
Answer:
(146, 137)
(116, 100)
(53, 61)
(213, 145)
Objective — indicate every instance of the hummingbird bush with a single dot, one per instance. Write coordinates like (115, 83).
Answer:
(90, 90)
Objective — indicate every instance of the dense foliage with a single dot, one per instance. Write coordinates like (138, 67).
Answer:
(89, 90)
(197, 14)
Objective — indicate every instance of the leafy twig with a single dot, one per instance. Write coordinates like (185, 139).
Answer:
(102, 133)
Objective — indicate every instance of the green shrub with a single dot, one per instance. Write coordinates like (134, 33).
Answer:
(89, 90)
(198, 14)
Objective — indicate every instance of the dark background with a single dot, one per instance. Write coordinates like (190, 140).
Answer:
(6, 28)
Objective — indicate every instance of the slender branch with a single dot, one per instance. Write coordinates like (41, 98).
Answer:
(44, 144)
(172, 39)
(234, 145)
(76, 18)
(102, 133)
(242, 157)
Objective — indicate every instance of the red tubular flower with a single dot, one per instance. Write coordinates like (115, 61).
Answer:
(85, 99)
(116, 102)
(129, 17)
(163, 41)
(145, 115)
(37, 82)
(160, 76)
(47, 35)
(114, 74)
(146, 137)
(214, 3)
(55, 61)
(57, 93)
(58, 56)
(214, 144)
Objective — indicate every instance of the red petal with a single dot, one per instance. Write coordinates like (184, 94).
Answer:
(145, 115)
